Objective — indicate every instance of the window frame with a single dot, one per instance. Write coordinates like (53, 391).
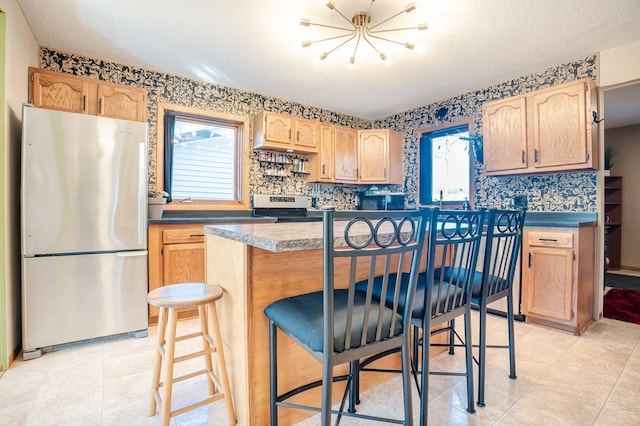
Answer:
(242, 160)
(441, 127)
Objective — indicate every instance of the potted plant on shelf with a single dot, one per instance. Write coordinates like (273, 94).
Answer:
(476, 145)
(608, 160)
(156, 201)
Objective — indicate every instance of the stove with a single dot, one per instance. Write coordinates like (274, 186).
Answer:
(287, 208)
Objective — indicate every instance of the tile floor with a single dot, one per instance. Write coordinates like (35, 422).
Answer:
(562, 379)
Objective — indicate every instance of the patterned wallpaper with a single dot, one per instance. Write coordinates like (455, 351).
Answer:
(552, 192)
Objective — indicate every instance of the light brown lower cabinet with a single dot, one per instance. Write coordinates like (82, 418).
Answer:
(176, 255)
(558, 277)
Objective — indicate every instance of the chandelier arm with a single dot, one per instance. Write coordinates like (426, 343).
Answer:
(330, 26)
(332, 38)
(345, 18)
(357, 44)
(393, 29)
(342, 44)
(364, 36)
(385, 39)
(387, 20)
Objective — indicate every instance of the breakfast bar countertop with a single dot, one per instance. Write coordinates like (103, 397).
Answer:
(275, 237)
(282, 237)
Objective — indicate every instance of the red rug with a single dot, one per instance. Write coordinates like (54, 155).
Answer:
(623, 305)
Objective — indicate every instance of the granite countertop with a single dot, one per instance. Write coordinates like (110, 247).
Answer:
(275, 237)
(295, 236)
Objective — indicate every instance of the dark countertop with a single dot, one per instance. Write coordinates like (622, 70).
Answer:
(561, 219)
(550, 219)
(209, 217)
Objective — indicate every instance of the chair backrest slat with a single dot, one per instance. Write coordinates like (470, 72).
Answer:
(454, 244)
(502, 248)
(380, 250)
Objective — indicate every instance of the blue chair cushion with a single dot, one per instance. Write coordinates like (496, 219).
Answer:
(301, 317)
(418, 303)
(453, 275)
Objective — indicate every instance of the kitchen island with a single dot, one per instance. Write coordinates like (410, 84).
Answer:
(257, 264)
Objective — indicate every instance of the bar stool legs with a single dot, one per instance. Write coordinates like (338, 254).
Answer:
(170, 299)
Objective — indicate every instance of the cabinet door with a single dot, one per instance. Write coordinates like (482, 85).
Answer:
(505, 135)
(306, 135)
(345, 151)
(61, 92)
(121, 102)
(183, 263)
(278, 129)
(373, 161)
(548, 283)
(325, 153)
(560, 126)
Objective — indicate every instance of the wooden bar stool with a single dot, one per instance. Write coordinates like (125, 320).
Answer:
(171, 298)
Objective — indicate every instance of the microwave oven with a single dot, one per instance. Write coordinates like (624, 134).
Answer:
(382, 201)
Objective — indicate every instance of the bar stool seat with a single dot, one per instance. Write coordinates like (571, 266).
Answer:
(170, 299)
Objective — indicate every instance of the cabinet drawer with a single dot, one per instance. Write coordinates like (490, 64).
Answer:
(550, 239)
(185, 235)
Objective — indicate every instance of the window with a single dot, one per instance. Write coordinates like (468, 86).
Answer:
(204, 158)
(445, 165)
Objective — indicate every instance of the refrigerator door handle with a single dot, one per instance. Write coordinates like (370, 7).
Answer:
(142, 179)
(131, 253)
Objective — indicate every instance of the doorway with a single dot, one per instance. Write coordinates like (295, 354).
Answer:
(621, 114)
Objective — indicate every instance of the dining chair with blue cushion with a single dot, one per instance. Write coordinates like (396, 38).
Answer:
(494, 280)
(453, 241)
(339, 325)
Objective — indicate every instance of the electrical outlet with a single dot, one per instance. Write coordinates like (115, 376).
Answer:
(520, 201)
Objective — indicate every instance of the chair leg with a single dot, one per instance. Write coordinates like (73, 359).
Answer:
(415, 360)
(157, 363)
(214, 325)
(469, 356)
(512, 346)
(354, 385)
(327, 388)
(452, 336)
(273, 374)
(482, 353)
(167, 382)
(202, 314)
(424, 396)
(406, 384)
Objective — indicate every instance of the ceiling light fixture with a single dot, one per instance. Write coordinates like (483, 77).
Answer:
(361, 30)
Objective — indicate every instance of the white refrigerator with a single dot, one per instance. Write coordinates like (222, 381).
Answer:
(83, 228)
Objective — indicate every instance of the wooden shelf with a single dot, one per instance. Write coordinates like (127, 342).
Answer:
(613, 218)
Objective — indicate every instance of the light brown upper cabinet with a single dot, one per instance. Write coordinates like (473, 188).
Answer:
(321, 165)
(66, 92)
(546, 130)
(380, 156)
(347, 155)
(280, 132)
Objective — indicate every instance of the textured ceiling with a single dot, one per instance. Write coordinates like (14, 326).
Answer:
(255, 45)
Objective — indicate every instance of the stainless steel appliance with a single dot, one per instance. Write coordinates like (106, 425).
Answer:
(286, 208)
(83, 228)
(380, 200)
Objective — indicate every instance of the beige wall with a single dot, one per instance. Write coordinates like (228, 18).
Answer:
(620, 64)
(21, 52)
(625, 142)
